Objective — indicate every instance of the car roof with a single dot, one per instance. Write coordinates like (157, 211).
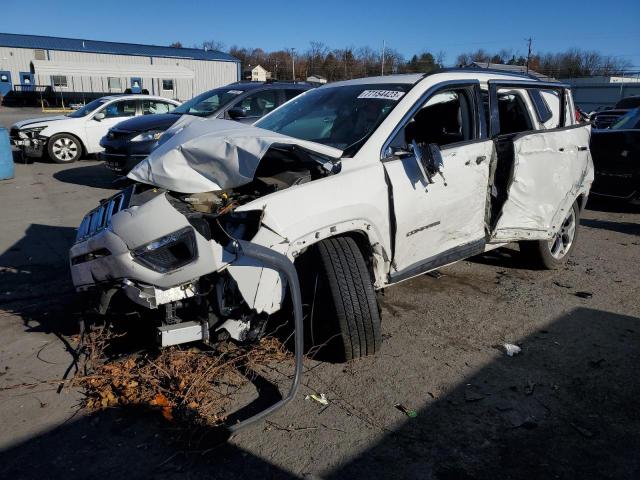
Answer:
(482, 74)
(136, 96)
(255, 85)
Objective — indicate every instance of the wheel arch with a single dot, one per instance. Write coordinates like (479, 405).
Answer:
(80, 141)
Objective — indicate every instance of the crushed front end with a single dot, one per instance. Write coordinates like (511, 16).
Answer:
(174, 257)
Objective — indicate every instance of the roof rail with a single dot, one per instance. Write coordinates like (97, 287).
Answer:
(485, 70)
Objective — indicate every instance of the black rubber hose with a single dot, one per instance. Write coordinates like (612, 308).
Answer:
(281, 263)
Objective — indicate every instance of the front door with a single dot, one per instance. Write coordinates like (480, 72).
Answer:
(441, 222)
(26, 80)
(114, 113)
(5, 82)
(136, 85)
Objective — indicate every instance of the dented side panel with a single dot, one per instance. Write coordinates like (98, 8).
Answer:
(551, 169)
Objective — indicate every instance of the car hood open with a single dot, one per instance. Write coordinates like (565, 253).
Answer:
(206, 155)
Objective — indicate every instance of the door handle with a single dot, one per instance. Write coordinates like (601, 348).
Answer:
(583, 149)
(561, 149)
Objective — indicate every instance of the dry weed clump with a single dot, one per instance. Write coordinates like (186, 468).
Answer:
(190, 384)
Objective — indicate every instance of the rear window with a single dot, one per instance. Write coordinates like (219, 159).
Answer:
(629, 102)
(543, 112)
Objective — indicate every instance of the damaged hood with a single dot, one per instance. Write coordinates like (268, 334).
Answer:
(206, 155)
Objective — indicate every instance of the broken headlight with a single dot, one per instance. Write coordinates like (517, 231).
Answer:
(169, 252)
(30, 132)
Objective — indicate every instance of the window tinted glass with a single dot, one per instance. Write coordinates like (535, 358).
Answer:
(208, 103)
(629, 102)
(290, 93)
(445, 118)
(540, 105)
(259, 104)
(150, 107)
(125, 108)
(513, 113)
(630, 121)
(342, 117)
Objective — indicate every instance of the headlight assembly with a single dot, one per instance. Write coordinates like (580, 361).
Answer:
(30, 132)
(151, 135)
(169, 252)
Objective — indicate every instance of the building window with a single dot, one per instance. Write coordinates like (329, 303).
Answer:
(59, 81)
(114, 83)
(40, 54)
(167, 85)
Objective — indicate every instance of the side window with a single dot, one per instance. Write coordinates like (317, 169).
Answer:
(513, 113)
(150, 107)
(290, 93)
(445, 118)
(125, 108)
(259, 103)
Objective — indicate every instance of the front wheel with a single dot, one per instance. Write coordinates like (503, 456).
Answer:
(343, 318)
(553, 253)
(64, 148)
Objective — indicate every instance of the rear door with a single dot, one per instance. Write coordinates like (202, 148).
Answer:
(539, 171)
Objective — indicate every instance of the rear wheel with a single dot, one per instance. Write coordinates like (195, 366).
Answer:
(553, 253)
(64, 148)
(343, 318)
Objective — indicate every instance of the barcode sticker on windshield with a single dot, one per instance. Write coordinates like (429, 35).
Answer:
(234, 92)
(382, 94)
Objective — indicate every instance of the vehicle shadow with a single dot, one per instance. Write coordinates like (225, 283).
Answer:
(566, 407)
(620, 227)
(95, 175)
(506, 257)
(601, 204)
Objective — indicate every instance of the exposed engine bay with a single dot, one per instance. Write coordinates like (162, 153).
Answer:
(210, 306)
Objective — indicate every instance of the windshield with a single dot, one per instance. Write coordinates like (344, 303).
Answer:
(342, 117)
(88, 108)
(208, 103)
(630, 121)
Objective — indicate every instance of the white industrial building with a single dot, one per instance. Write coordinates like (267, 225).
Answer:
(92, 68)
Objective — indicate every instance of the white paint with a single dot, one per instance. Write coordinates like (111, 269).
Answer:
(549, 174)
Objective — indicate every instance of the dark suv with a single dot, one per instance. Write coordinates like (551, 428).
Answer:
(129, 142)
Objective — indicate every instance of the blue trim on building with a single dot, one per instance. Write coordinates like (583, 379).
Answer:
(114, 48)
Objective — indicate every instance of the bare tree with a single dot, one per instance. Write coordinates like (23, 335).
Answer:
(176, 45)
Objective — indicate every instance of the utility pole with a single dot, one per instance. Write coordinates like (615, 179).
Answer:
(293, 64)
(384, 45)
(528, 53)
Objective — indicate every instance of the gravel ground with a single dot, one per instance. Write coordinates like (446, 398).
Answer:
(565, 407)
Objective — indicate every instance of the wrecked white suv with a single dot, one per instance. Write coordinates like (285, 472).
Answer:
(359, 184)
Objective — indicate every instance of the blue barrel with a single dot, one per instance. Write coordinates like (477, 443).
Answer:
(7, 168)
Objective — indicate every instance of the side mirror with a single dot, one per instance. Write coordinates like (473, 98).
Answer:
(99, 116)
(429, 160)
(236, 113)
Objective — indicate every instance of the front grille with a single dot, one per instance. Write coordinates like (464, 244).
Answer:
(100, 217)
(115, 133)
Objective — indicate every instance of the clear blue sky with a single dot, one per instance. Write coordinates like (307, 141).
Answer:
(611, 27)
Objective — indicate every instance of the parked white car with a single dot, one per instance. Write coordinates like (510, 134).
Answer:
(362, 184)
(67, 137)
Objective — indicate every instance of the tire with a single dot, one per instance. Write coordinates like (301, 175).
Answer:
(64, 148)
(551, 254)
(341, 306)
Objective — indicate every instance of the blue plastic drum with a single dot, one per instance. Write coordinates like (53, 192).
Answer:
(7, 167)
